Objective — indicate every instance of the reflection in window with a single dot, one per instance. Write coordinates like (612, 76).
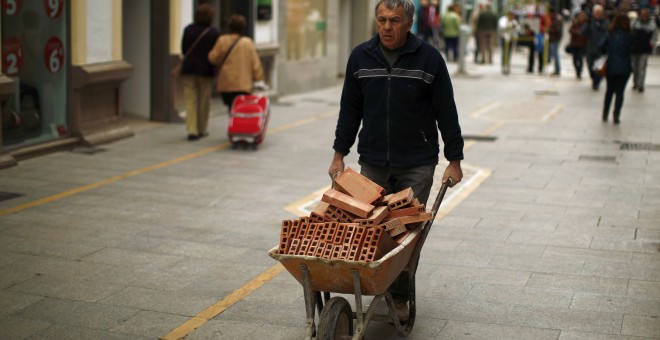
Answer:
(306, 29)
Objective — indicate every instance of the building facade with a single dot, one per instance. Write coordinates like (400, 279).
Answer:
(73, 69)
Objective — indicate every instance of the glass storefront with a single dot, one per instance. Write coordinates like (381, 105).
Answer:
(306, 29)
(34, 48)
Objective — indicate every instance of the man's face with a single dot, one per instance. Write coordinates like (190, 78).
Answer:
(598, 14)
(644, 15)
(392, 26)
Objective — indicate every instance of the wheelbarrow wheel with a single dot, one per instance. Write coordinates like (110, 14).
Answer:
(336, 320)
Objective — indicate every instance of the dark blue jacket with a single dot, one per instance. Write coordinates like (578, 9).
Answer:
(197, 62)
(595, 31)
(400, 108)
(617, 45)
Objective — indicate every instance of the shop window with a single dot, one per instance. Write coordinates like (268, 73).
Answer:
(34, 48)
(306, 29)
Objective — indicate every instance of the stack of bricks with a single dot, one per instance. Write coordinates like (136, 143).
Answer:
(355, 221)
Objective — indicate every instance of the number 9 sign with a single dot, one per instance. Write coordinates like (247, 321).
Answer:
(53, 8)
(54, 55)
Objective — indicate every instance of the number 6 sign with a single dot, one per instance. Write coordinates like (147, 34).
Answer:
(12, 56)
(54, 55)
(53, 8)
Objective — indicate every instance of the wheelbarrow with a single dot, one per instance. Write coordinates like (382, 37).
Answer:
(320, 277)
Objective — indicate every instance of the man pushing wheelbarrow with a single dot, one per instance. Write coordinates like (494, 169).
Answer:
(366, 234)
(398, 88)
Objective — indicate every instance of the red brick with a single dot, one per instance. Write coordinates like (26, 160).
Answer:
(397, 230)
(400, 199)
(302, 249)
(408, 211)
(327, 252)
(339, 233)
(336, 251)
(339, 215)
(311, 250)
(320, 248)
(414, 219)
(358, 186)
(377, 215)
(318, 214)
(293, 249)
(347, 203)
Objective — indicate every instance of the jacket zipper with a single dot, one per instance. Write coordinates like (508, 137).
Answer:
(389, 91)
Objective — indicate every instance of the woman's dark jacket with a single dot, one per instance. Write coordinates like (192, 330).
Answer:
(197, 61)
(400, 108)
(617, 46)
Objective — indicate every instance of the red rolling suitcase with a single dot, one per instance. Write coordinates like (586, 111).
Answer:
(248, 121)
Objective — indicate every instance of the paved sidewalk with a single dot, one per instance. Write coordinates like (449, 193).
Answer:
(554, 233)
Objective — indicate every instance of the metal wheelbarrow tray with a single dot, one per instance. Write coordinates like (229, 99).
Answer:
(320, 277)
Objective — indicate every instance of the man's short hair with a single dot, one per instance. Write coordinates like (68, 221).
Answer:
(408, 7)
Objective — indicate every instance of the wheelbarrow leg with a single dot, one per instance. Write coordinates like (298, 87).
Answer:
(358, 303)
(310, 303)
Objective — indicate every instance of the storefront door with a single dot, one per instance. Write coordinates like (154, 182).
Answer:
(34, 55)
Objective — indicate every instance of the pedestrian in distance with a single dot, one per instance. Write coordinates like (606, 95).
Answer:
(527, 39)
(509, 29)
(473, 27)
(399, 91)
(617, 46)
(578, 42)
(555, 30)
(596, 32)
(239, 66)
(451, 29)
(645, 33)
(196, 71)
(486, 28)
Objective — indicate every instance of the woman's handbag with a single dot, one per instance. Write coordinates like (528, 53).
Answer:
(600, 65)
(176, 71)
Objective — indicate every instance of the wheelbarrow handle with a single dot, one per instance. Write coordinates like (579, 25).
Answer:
(427, 226)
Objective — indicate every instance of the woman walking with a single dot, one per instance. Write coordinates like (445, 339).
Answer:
(578, 42)
(617, 47)
(197, 72)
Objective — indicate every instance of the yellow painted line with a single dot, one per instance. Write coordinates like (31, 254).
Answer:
(555, 111)
(482, 111)
(134, 173)
(294, 207)
(462, 191)
(222, 305)
(113, 179)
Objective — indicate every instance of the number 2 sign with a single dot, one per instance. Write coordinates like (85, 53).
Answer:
(53, 8)
(54, 55)
(12, 56)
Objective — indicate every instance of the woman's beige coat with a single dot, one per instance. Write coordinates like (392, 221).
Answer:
(242, 67)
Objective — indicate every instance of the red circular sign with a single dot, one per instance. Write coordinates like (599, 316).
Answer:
(53, 8)
(54, 54)
(12, 56)
(11, 7)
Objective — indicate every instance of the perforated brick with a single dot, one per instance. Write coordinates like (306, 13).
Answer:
(400, 199)
(377, 215)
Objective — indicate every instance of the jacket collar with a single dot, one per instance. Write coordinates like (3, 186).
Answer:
(412, 44)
